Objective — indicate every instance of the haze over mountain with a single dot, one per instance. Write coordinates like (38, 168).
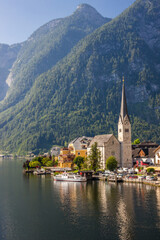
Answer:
(66, 81)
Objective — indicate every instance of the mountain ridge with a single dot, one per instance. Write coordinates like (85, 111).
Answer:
(80, 94)
(45, 47)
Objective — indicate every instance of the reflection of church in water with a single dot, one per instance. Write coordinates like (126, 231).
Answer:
(109, 145)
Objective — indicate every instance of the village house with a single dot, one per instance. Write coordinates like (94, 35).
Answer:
(65, 159)
(143, 153)
(79, 145)
(157, 156)
(55, 151)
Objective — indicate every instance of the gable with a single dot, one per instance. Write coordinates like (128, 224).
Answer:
(101, 139)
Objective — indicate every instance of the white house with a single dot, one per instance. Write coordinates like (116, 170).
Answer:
(157, 156)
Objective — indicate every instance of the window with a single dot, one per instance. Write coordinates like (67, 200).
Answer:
(78, 153)
(126, 130)
(112, 142)
(120, 130)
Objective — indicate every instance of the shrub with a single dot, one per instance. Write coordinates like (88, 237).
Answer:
(150, 170)
(111, 163)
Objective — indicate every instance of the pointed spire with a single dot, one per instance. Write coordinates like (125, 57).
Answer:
(124, 110)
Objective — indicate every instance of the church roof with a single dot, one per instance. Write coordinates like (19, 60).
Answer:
(123, 111)
(101, 139)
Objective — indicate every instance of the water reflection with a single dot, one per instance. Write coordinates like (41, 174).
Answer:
(36, 207)
(119, 207)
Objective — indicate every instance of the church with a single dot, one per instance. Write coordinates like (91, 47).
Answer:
(109, 145)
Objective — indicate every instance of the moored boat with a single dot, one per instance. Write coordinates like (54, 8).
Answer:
(39, 171)
(70, 177)
(115, 178)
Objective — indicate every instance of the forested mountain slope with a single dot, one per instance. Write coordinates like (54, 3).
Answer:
(8, 55)
(46, 46)
(81, 94)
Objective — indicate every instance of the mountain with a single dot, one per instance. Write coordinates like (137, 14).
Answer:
(8, 55)
(48, 45)
(80, 94)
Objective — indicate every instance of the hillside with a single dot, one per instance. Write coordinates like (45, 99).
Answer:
(46, 46)
(8, 55)
(81, 94)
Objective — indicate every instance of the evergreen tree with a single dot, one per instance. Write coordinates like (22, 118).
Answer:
(94, 157)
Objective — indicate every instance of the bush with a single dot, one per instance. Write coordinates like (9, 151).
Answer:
(111, 163)
(150, 170)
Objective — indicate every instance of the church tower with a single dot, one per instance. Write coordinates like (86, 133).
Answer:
(124, 133)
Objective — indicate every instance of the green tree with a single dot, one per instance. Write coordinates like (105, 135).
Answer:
(39, 159)
(150, 170)
(111, 163)
(79, 161)
(45, 161)
(136, 141)
(49, 163)
(34, 164)
(94, 157)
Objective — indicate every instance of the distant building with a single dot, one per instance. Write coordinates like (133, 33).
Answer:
(65, 159)
(144, 153)
(157, 155)
(108, 146)
(79, 145)
(55, 151)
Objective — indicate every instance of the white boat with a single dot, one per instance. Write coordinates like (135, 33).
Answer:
(70, 177)
(39, 172)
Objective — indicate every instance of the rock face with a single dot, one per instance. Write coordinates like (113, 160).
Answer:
(67, 79)
(8, 55)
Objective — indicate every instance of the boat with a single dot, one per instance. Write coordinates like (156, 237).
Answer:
(115, 178)
(70, 177)
(39, 172)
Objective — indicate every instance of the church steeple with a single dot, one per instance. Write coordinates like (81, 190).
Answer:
(124, 132)
(123, 111)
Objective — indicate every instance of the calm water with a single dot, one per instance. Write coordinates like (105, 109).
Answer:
(36, 208)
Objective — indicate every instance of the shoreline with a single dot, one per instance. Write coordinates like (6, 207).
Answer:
(151, 183)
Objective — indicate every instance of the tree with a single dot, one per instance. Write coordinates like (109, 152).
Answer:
(136, 141)
(150, 170)
(94, 157)
(26, 164)
(49, 163)
(34, 164)
(111, 163)
(79, 161)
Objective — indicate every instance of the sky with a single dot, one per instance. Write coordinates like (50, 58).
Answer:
(20, 18)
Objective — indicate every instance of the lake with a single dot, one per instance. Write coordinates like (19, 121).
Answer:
(37, 208)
